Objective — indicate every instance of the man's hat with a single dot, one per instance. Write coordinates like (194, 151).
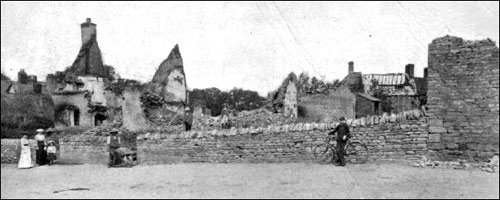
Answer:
(39, 130)
(342, 118)
(114, 130)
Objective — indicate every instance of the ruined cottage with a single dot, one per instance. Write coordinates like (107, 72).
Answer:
(79, 92)
(88, 93)
(402, 91)
(356, 95)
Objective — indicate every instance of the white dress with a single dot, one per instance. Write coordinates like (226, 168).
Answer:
(25, 158)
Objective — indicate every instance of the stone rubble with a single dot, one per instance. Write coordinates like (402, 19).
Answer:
(460, 164)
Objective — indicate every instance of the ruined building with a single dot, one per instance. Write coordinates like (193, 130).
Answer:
(169, 82)
(402, 91)
(89, 60)
(356, 95)
(89, 94)
(284, 100)
(25, 84)
(79, 92)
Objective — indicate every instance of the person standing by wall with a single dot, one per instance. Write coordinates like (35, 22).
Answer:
(51, 152)
(114, 143)
(188, 119)
(41, 155)
(343, 135)
(51, 135)
(25, 157)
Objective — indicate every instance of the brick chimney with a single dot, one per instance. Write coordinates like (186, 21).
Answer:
(410, 70)
(88, 31)
(22, 77)
(351, 67)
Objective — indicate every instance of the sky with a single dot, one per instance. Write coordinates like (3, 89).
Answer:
(250, 45)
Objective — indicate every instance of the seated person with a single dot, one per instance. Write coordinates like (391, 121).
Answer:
(126, 157)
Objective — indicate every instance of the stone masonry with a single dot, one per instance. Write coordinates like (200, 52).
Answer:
(395, 136)
(288, 143)
(463, 98)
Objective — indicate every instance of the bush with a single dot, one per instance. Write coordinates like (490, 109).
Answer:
(12, 129)
(237, 99)
(36, 123)
(15, 133)
(301, 111)
(5, 78)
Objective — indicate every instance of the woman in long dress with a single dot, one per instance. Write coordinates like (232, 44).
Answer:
(25, 158)
(41, 154)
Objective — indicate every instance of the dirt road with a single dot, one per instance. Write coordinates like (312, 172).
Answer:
(292, 180)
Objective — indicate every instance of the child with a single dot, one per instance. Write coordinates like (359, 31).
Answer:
(51, 152)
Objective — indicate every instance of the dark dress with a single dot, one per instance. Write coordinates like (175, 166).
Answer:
(41, 154)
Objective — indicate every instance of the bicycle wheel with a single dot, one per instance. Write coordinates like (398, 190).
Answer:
(356, 152)
(324, 153)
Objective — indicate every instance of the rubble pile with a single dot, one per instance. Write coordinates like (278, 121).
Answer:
(257, 118)
(104, 129)
(492, 166)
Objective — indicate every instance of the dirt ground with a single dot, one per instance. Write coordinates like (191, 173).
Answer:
(291, 180)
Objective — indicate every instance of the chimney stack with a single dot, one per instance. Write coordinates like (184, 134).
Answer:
(88, 31)
(426, 72)
(22, 77)
(351, 67)
(410, 69)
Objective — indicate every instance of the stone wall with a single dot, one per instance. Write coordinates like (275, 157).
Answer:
(11, 149)
(79, 100)
(463, 97)
(96, 87)
(290, 102)
(132, 111)
(83, 149)
(402, 103)
(365, 107)
(401, 136)
(170, 80)
(330, 107)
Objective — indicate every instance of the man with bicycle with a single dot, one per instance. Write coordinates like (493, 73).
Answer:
(343, 135)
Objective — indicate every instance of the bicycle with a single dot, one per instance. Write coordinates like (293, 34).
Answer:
(326, 153)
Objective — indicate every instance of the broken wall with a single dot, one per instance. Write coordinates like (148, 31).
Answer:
(329, 107)
(132, 111)
(79, 100)
(463, 97)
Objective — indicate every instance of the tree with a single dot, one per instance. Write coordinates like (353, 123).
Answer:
(5, 78)
(214, 99)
